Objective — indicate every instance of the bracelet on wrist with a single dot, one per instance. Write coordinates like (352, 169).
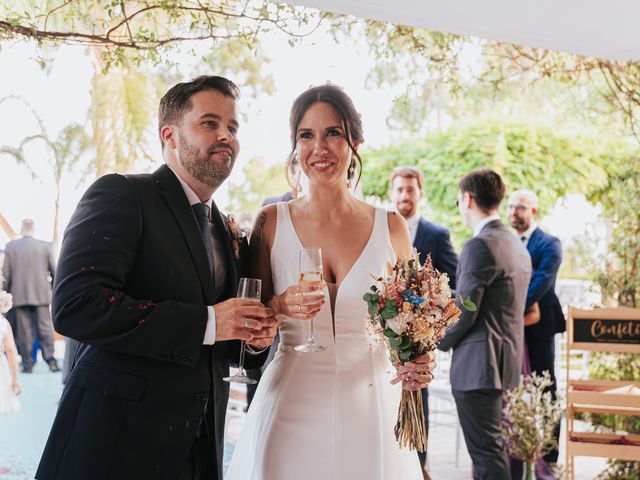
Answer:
(249, 349)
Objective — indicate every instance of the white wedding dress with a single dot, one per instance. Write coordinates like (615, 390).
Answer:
(328, 415)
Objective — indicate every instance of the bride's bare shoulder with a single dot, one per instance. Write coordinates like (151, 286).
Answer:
(399, 233)
(396, 222)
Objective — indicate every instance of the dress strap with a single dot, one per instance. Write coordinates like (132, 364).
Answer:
(382, 234)
(285, 237)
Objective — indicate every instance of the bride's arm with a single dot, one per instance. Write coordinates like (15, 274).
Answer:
(399, 233)
(260, 243)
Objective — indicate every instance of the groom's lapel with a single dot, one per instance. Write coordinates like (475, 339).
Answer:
(174, 196)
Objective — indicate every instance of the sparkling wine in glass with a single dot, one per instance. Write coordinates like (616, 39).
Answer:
(310, 272)
(250, 288)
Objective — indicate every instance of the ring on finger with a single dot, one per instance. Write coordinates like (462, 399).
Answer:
(299, 308)
(246, 323)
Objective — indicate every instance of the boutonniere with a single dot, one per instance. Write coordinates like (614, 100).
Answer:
(237, 235)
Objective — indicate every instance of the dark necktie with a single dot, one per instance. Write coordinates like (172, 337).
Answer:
(202, 216)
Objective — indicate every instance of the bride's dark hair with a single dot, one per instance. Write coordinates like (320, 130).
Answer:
(338, 99)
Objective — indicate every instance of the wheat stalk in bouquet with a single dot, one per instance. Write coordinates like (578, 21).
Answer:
(409, 311)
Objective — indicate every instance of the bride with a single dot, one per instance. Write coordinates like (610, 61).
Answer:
(327, 415)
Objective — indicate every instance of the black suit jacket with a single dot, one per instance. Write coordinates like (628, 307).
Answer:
(434, 239)
(133, 284)
(546, 257)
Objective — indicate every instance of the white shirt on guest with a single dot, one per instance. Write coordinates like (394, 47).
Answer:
(210, 330)
(526, 235)
(413, 223)
(483, 222)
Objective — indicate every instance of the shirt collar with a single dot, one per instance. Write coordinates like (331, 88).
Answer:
(188, 191)
(483, 222)
(527, 234)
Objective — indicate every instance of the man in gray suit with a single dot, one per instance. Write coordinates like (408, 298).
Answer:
(494, 272)
(28, 271)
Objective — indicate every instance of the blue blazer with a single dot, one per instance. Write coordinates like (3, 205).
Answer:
(434, 239)
(546, 257)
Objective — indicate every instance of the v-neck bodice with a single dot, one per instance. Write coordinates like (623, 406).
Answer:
(373, 259)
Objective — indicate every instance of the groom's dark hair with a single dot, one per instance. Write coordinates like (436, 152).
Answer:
(485, 186)
(177, 101)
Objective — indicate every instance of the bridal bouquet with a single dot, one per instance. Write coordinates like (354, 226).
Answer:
(410, 311)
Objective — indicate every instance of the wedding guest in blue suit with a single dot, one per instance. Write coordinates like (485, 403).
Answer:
(546, 256)
(427, 237)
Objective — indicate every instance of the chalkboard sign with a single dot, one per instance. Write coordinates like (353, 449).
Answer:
(589, 330)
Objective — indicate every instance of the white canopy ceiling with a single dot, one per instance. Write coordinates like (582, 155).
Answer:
(598, 28)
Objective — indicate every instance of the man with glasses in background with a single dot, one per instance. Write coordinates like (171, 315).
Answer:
(544, 317)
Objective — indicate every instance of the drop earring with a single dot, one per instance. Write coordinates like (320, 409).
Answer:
(350, 174)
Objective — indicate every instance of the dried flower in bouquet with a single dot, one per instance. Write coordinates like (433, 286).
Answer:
(529, 417)
(410, 311)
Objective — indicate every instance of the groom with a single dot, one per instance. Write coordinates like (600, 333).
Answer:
(146, 280)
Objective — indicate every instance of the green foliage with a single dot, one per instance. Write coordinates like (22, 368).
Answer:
(123, 112)
(135, 32)
(243, 61)
(125, 100)
(390, 310)
(619, 281)
(467, 304)
(372, 299)
(619, 278)
(261, 180)
(526, 155)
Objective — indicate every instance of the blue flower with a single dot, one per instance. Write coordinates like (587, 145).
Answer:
(410, 296)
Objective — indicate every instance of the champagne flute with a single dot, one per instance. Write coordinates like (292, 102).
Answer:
(250, 288)
(310, 272)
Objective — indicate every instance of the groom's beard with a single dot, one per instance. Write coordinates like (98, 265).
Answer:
(211, 172)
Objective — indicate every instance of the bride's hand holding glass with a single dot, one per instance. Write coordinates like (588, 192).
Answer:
(301, 301)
